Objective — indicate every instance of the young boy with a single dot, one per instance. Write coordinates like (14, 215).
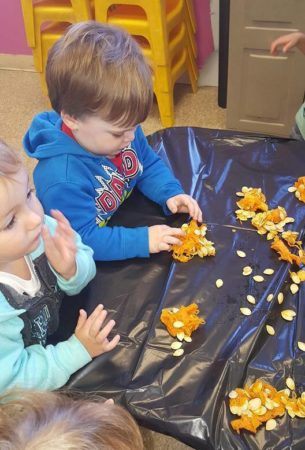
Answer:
(40, 259)
(287, 42)
(92, 152)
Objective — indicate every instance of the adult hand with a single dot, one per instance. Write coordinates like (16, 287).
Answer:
(287, 42)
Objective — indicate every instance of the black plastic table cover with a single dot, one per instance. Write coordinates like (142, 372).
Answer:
(187, 397)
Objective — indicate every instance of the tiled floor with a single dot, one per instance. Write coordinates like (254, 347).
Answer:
(21, 99)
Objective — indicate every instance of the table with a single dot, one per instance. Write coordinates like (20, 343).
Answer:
(187, 397)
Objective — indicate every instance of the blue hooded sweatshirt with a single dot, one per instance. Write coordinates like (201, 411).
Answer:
(89, 188)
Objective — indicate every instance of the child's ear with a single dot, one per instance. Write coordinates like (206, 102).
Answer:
(70, 121)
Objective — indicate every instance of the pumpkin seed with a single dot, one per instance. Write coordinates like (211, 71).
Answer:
(245, 311)
(178, 352)
(261, 411)
(270, 424)
(187, 338)
(178, 324)
(236, 410)
(258, 278)
(295, 277)
(301, 346)
(254, 404)
(219, 283)
(251, 299)
(180, 336)
(247, 270)
(294, 288)
(270, 330)
(288, 314)
(268, 271)
(197, 232)
(270, 297)
(175, 345)
(233, 394)
(241, 254)
(287, 392)
(292, 189)
(280, 298)
(175, 310)
(298, 195)
(240, 194)
(290, 383)
(269, 404)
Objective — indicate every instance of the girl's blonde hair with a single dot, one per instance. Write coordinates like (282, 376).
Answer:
(10, 161)
(58, 421)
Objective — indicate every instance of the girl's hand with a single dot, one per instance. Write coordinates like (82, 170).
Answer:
(60, 249)
(183, 203)
(92, 333)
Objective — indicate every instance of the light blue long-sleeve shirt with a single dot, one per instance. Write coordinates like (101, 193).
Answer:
(38, 367)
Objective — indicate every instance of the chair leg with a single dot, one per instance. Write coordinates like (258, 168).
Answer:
(192, 77)
(28, 19)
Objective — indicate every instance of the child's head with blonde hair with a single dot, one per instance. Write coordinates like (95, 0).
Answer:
(21, 213)
(10, 161)
(55, 420)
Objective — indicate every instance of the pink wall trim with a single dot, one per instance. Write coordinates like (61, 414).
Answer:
(204, 34)
(12, 34)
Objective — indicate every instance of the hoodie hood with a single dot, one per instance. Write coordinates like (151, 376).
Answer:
(45, 139)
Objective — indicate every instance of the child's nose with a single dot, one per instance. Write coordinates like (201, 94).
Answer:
(34, 219)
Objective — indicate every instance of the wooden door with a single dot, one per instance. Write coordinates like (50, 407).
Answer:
(264, 91)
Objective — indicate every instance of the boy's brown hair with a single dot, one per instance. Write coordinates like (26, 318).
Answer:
(32, 420)
(98, 69)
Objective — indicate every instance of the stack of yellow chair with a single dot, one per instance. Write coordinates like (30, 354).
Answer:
(165, 30)
(46, 20)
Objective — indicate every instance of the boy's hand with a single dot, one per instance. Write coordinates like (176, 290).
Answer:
(287, 42)
(162, 237)
(90, 333)
(60, 249)
(183, 203)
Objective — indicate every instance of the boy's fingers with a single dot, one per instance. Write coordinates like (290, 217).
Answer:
(173, 206)
(191, 204)
(172, 240)
(164, 247)
(174, 232)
